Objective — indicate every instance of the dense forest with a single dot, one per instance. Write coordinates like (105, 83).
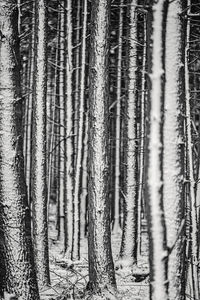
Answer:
(99, 149)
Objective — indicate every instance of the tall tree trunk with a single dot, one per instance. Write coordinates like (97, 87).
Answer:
(156, 224)
(16, 257)
(192, 184)
(101, 269)
(39, 176)
(128, 251)
(173, 153)
(142, 138)
(81, 127)
(62, 129)
(69, 116)
(116, 227)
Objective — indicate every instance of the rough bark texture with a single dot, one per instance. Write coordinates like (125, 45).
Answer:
(129, 234)
(155, 216)
(101, 270)
(16, 257)
(173, 154)
(39, 176)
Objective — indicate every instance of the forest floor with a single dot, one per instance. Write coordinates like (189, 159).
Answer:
(69, 278)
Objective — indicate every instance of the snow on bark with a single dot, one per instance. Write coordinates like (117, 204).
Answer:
(116, 228)
(16, 257)
(128, 251)
(69, 182)
(155, 217)
(173, 153)
(101, 269)
(78, 171)
(39, 176)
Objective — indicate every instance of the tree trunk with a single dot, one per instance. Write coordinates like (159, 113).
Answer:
(173, 153)
(16, 257)
(69, 116)
(142, 139)
(62, 130)
(80, 146)
(192, 185)
(155, 216)
(101, 269)
(128, 251)
(116, 227)
(39, 175)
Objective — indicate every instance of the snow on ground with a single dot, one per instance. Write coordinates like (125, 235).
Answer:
(69, 278)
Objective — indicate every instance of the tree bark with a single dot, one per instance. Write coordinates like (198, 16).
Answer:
(155, 216)
(69, 117)
(194, 272)
(128, 251)
(80, 146)
(173, 153)
(16, 253)
(39, 174)
(116, 228)
(101, 269)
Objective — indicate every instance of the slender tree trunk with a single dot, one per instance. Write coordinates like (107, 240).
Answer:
(79, 4)
(101, 269)
(128, 251)
(69, 116)
(16, 257)
(52, 143)
(156, 224)
(142, 140)
(192, 184)
(81, 127)
(29, 119)
(84, 185)
(62, 131)
(116, 227)
(39, 176)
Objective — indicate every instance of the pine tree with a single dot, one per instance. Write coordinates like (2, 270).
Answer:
(16, 254)
(101, 269)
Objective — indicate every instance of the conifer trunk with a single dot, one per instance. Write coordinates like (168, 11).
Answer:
(17, 274)
(128, 252)
(173, 153)
(101, 269)
(39, 174)
(158, 253)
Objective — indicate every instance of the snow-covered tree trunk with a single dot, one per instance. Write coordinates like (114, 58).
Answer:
(158, 253)
(16, 253)
(173, 152)
(128, 251)
(81, 127)
(116, 227)
(69, 116)
(101, 269)
(39, 175)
